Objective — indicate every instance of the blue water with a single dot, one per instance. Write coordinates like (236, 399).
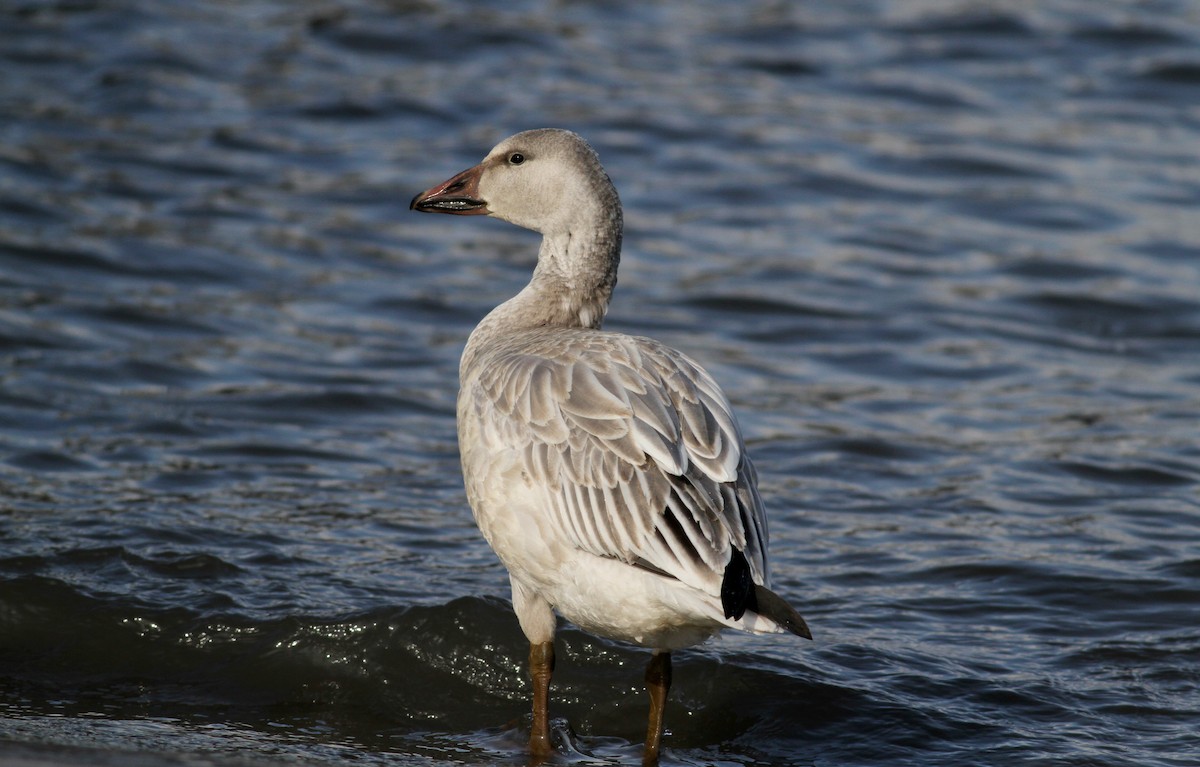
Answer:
(944, 258)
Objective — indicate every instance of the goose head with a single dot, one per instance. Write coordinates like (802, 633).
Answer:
(545, 180)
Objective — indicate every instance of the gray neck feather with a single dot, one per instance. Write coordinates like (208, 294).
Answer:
(573, 280)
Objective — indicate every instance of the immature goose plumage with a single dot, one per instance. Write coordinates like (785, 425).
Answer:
(606, 471)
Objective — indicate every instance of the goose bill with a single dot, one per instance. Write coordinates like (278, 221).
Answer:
(458, 196)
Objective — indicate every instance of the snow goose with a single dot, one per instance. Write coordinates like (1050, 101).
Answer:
(606, 471)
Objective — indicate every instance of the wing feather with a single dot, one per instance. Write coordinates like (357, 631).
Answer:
(626, 449)
(669, 455)
(590, 398)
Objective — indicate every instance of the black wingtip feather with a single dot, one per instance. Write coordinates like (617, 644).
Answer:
(737, 587)
(739, 593)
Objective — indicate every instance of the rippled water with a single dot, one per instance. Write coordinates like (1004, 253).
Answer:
(944, 257)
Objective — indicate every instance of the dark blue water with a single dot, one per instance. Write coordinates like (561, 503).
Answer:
(944, 258)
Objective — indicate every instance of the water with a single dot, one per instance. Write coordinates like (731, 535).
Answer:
(945, 259)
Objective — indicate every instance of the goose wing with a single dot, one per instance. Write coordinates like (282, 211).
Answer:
(637, 453)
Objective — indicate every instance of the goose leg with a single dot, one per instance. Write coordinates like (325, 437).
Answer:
(541, 668)
(658, 683)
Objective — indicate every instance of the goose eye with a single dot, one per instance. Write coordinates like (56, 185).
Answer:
(516, 158)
